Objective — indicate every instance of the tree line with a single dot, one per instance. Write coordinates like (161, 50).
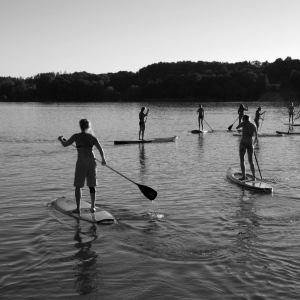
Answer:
(186, 80)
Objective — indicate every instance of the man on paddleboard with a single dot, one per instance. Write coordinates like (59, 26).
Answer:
(86, 167)
(291, 114)
(200, 113)
(142, 123)
(247, 144)
(258, 115)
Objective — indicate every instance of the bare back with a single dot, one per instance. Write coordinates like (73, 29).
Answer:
(249, 130)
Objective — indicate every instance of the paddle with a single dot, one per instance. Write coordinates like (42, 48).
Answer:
(257, 165)
(147, 191)
(208, 125)
(229, 128)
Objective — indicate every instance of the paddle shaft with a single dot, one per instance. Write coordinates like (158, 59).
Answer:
(120, 174)
(229, 128)
(208, 125)
(257, 165)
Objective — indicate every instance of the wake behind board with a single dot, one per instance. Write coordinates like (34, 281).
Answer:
(66, 205)
(257, 185)
(157, 140)
(199, 131)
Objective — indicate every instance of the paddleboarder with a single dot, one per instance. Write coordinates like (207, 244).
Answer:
(247, 144)
(143, 119)
(241, 112)
(258, 115)
(200, 113)
(291, 115)
(86, 167)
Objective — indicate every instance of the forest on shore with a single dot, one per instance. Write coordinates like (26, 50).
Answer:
(185, 81)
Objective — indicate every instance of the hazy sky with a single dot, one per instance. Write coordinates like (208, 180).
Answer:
(101, 36)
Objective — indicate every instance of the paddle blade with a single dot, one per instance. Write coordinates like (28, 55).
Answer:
(148, 192)
(229, 128)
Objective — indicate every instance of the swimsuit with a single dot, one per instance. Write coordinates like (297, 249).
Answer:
(247, 145)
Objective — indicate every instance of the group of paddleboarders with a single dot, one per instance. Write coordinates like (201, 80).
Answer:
(86, 166)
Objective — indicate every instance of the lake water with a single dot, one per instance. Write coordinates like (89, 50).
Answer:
(210, 239)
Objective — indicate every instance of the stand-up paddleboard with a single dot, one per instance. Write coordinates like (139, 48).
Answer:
(287, 132)
(254, 185)
(262, 134)
(157, 140)
(291, 124)
(66, 205)
(199, 131)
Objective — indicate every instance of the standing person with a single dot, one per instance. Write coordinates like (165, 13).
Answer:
(247, 144)
(86, 167)
(143, 119)
(200, 113)
(257, 117)
(291, 114)
(241, 111)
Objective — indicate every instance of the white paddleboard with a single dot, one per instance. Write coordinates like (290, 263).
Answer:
(66, 205)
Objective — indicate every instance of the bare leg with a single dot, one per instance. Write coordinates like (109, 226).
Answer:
(202, 124)
(199, 123)
(242, 151)
(250, 158)
(78, 197)
(143, 130)
(93, 200)
(140, 132)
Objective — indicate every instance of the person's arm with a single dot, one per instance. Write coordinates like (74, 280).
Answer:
(147, 112)
(68, 142)
(240, 125)
(101, 151)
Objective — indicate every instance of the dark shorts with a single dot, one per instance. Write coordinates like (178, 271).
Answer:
(86, 169)
(141, 123)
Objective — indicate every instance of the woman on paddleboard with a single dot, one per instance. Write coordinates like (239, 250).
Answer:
(258, 115)
(142, 123)
(200, 113)
(86, 167)
(247, 144)
(291, 114)
(241, 112)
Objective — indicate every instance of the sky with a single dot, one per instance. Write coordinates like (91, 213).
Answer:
(103, 36)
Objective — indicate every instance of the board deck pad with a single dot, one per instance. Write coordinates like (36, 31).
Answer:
(66, 205)
(257, 185)
(199, 131)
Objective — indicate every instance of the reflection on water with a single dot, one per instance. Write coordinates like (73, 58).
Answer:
(85, 271)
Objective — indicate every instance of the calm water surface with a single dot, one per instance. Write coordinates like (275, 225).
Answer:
(214, 240)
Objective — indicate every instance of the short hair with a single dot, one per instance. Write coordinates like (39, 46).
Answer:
(246, 118)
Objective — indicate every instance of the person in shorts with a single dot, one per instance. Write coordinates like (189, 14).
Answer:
(247, 144)
(86, 167)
